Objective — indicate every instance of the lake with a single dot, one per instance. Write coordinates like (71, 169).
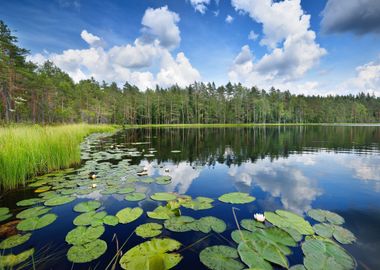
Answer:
(297, 168)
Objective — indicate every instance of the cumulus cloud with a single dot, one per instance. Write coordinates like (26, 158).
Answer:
(252, 35)
(292, 46)
(131, 62)
(358, 16)
(229, 19)
(200, 5)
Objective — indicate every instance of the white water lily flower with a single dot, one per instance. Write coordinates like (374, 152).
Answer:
(93, 185)
(259, 217)
(93, 176)
(145, 169)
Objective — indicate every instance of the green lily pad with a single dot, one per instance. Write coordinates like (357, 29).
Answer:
(84, 207)
(220, 258)
(325, 216)
(14, 259)
(110, 220)
(42, 189)
(109, 191)
(162, 212)
(208, 224)
(82, 235)
(128, 214)
(38, 183)
(252, 225)
(200, 203)
(135, 196)
(33, 212)
(87, 252)
(149, 230)
(126, 190)
(297, 267)
(325, 254)
(180, 224)
(48, 195)
(163, 196)
(285, 219)
(241, 236)
(59, 200)
(236, 198)
(340, 234)
(259, 252)
(147, 180)
(90, 218)
(163, 180)
(29, 202)
(35, 223)
(4, 213)
(154, 254)
(15, 240)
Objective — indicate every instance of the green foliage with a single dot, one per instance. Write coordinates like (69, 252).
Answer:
(340, 234)
(59, 200)
(220, 258)
(180, 224)
(325, 216)
(87, 206)
(149, 230)
(12, 260)
(162, 212)
(87, 252)
(90, 218)
(135, 196)
(4, 213)
(156, 254)
(236, 198)
(33, 212)
(82, 235)
(35, 223)
(163, 196)
(15, 240)
(128, 215)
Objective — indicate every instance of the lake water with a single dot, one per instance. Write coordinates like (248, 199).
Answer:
(336, 168)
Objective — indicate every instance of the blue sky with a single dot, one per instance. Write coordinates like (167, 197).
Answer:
(308, 46)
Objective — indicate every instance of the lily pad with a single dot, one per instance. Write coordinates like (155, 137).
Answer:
(59, 200)
(126, 190)
(87, 252)
(162, 212)
(82, 235)
(42, 189)
(35, 223)
(236, 198)
(33, 212)
(180, 224)
(288, 220)
(135, 196)
(325, 216)
(340, 234)
(325, 254)
(4, 213)
(15, 240)
(252, 225)
(84, 207)
(153, 254)
(220, 258)
(147, 180)
(200, 203)
(163, 180)
(90, 218)
(128, 214)
(110, 220)
(208, 224)
(29, 202)
(109, 191)
(163, 196)
(11, 260)
(149, 230)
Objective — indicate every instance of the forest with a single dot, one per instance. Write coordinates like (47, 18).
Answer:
(46, 94)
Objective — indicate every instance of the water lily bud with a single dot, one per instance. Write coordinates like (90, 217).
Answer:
(93, 176)
(93, 186)
(166, 170)
(259, 217)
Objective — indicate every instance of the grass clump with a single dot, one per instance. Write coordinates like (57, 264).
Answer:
(27, 151)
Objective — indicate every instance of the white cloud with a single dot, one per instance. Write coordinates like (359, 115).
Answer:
(200, 5)
(229, 19)
(292, 46)
(252, 35)
(131, 62)
(92, 40)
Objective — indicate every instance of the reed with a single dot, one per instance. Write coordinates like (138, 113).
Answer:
(30, 150)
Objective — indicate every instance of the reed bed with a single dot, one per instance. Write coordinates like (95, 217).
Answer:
(30, 150)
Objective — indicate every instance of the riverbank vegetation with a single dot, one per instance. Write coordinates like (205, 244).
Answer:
(46, 94)
(26, 151)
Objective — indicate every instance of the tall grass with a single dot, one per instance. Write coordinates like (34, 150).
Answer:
(26, 151)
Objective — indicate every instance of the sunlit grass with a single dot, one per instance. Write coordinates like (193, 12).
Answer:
(26, 151)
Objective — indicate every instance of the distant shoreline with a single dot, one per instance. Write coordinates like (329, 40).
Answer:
(248, 125)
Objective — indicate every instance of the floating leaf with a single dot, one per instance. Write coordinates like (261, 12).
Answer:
(163, 196)
(35, 223)
(109, 191)
(110, 220)
(163, 180)
(236, 198)
(84, 207)
(4, 213)
(42, 189)
(33, 212)
(135, 196)
(340, 234)
(126, 190)
(88, 218)
(149, 230)
(297, 267)
(206, 224)
(162, 212)
(147, 180)
(200, 203)
(325, 216)
(325, 254)
(87, 252)
(59, 200)
(29, 202)
(180, 224)
(128, 215)
(82, 235)
(220, 258)
(14, 259)
(15, 240)
(252, 225)
(153, 255)
(285, 219)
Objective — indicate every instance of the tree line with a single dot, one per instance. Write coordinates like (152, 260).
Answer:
(46, 94)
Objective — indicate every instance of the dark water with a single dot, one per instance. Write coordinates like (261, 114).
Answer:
(295, 168)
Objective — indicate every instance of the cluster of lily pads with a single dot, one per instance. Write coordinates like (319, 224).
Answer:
(256, 245)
